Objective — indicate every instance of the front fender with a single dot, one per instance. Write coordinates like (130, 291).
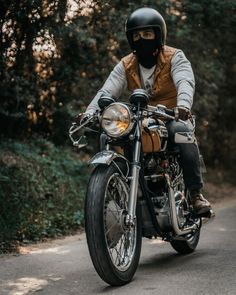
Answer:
(106, 158)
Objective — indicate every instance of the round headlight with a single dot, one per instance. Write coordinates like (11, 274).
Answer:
(117, 120)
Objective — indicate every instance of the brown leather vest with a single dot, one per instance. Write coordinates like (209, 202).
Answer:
(164, 91)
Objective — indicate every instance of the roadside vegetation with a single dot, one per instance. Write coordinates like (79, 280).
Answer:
(42, 191)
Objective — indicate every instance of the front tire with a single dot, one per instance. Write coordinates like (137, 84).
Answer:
(114, 248)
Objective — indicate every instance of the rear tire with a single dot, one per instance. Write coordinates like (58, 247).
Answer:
(188, 246)
(114, 249)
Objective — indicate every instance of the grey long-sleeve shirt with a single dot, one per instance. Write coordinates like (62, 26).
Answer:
(181, 72)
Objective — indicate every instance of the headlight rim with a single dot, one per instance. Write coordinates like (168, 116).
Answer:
(131, 121)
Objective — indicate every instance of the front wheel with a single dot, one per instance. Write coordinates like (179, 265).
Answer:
(114, 248)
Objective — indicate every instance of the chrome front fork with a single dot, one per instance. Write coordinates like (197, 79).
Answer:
(131, 216)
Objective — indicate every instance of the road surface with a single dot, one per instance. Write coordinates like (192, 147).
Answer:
(63, 267)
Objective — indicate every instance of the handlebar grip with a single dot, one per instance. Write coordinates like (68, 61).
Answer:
(170, 112)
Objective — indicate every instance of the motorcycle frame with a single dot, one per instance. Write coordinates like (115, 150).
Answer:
(137, 178)
(108, 156)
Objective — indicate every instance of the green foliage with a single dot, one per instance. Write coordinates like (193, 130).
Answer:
(41, 191)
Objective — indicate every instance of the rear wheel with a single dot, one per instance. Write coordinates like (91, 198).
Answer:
(114, 248)
(187, 246)
(190, 243)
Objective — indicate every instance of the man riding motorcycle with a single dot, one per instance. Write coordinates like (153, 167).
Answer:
(166, 74)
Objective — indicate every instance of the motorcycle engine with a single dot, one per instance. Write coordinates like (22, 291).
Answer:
(155, 169)
(159, 191)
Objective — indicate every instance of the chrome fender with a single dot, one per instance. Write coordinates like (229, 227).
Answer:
(106, 158)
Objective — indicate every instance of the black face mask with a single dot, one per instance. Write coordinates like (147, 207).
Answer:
(144, 50)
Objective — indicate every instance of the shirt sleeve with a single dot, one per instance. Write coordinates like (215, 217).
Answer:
(115, 85)
(183, 77)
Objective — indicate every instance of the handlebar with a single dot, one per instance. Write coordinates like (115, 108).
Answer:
(159, 110)
(170, 112)
(164, 112)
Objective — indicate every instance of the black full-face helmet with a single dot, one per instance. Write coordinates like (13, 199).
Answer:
(146, 18)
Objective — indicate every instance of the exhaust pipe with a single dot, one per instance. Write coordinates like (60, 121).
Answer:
(175, 225)
(204, 219)
(209, 217)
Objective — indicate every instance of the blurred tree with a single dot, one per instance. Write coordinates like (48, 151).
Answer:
(207, 33)
(56, 54)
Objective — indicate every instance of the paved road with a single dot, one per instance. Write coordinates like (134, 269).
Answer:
(64, 267)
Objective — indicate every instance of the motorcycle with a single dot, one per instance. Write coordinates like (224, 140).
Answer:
(136, 189)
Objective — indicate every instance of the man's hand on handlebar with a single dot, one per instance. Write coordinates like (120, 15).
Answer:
(182, 113)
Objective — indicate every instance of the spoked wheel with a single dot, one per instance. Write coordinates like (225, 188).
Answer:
(113, 246)
(190, 243)
(187, 246)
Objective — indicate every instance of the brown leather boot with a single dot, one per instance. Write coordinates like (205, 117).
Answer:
(200, 204)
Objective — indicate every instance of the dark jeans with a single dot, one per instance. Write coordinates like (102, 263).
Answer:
(189, 155)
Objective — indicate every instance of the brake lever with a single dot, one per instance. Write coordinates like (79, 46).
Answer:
(75, 127)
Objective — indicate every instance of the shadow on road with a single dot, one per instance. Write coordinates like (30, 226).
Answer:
(159, 263)
(169, 260)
